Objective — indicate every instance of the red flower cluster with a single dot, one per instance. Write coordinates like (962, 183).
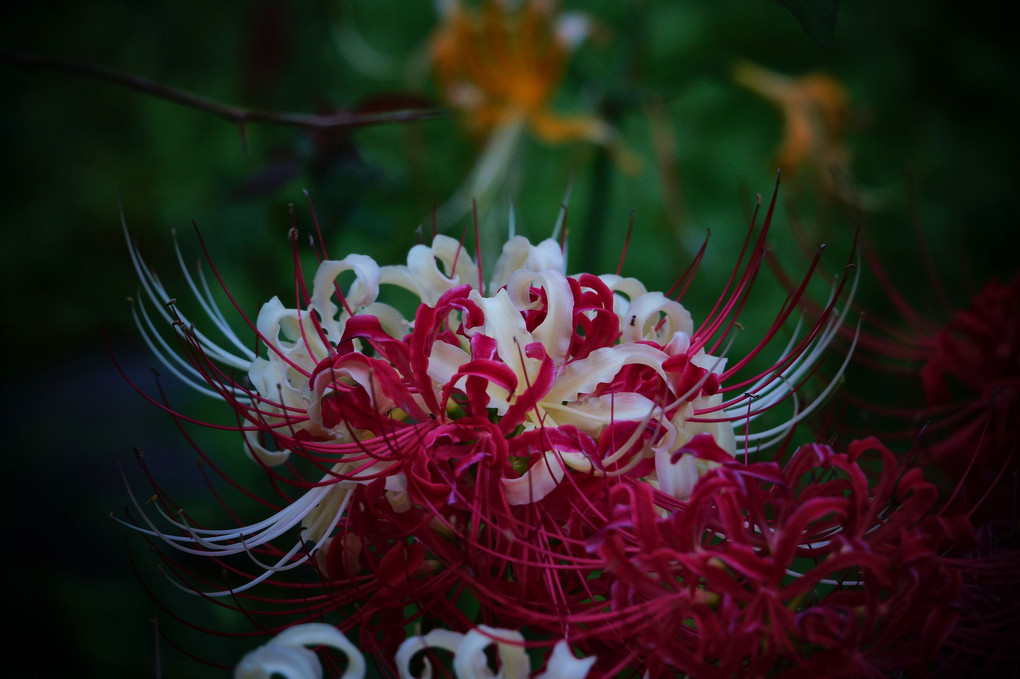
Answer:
(557, 457)
(827, 566)
(971, 380)
(957, 378)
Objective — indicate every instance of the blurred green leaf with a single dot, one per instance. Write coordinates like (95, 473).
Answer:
(818, 17)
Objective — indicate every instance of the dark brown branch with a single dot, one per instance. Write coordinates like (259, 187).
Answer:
(234, 114)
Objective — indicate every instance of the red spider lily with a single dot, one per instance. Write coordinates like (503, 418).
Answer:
(957, 380)
(971, 377)
(816, 568)
(456, 468)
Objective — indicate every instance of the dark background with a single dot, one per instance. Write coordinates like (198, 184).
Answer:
(934, 88)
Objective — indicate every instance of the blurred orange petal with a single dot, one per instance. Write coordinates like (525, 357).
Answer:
(814, 109)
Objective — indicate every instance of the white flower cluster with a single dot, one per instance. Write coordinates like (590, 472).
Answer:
(287, 654)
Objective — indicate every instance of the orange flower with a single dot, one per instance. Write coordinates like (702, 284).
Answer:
(501, 65)
(814, 109)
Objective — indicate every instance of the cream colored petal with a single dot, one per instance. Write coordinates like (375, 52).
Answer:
(503, 323)
(455, 258)
(654, 317)
(676, 478)
(445, 360)
(540, 480)
(563, 665)
(285, 654)
(360, 374)
(422, 275)
(259, 453)
(546, 255)
(716, 364)
(290, 332)
(513, 258)
(519, 254)
(601, 366)
(556, 330)
(275, 660)
(632, 288)
(470, 661)
(320, 518)
(592, 415)
(278, 382)
(391, 321)
(680, 344)
(363, 291)
(722, 431)
(437, 638)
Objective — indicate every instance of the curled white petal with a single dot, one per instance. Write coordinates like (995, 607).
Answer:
(270, 661)
(538, 481)
(363, 291)
(264, 456)
(503, 323)
(520, 255)
(437, 638)
(676, 478)
(291, 332)
(624, 289)
(422, 274)
(286, 654)
(556, 330)
(470, 661)
(592, 415)
(601, 366)
(563, 665)
(653, 316)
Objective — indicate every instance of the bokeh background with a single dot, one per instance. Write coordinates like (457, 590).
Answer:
(934, 93)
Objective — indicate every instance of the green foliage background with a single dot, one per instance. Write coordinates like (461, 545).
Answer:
(935, 88)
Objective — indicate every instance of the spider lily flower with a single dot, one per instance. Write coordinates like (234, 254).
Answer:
(955, 394)
(472, 448)
(499, 66)
(971, 375)
(815, 109)
(501, 63)
(816, 568)
(287, 654)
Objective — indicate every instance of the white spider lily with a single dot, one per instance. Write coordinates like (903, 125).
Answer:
(287, 654)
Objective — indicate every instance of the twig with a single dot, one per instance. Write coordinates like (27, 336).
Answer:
(234, 114)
